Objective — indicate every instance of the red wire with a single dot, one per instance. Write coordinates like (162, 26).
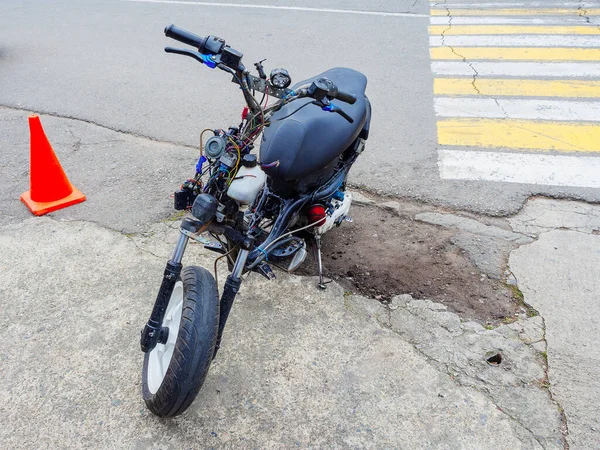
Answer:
(252, 136)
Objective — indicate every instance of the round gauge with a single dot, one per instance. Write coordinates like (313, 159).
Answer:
(280, 78)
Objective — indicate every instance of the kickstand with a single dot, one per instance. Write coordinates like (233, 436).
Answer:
(320, 262)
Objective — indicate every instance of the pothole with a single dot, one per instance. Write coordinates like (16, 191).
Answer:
(495, 359)
(381, 255)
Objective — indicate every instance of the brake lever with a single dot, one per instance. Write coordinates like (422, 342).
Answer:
(336, 109)
(204, 59)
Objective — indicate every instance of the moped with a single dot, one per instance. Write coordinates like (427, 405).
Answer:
(256, 212)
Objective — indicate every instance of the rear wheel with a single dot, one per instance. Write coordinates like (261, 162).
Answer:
(174, 372)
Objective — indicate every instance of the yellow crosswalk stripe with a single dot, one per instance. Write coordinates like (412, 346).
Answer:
(520, 134)
(456, 30)
(517, 53)
(518, 87)
(550, 104)
(455, 12)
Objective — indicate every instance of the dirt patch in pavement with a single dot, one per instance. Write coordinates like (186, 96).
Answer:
(381, 255)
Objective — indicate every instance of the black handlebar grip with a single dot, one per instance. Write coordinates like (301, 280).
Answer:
(345, 97)
(181, 35)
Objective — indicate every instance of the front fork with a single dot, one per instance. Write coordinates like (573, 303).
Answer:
(153, 333)
(230, 290)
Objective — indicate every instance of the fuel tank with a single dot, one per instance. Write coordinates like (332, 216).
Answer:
(303, 149)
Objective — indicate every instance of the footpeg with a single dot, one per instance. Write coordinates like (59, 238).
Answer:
(265, 270)
(298, 258)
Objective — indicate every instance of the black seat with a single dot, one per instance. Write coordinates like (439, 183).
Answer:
(311, 139)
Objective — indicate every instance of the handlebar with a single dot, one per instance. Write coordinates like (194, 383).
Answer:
(336, 109)
(345, 97)
(213, 52)
(181, 35)
(210, 45)
(342, 113)
(205, 59)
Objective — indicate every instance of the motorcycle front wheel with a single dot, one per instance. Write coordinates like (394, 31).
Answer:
(174, 372)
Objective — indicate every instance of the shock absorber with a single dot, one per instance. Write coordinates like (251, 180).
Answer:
(230, 290)
(153, 329)
(203, 210)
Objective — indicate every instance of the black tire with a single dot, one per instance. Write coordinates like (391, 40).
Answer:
(193, 349)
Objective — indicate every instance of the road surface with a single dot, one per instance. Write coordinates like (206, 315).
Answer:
(468, 104)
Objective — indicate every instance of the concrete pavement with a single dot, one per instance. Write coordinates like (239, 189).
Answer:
(299, 366)
(559, 277)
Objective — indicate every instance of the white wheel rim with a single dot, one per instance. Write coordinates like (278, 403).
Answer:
(160, 357)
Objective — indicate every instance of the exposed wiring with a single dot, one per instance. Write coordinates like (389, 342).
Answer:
(237, 163)
(292, 113)
(244, 176)
(202, 134)
(268, 166)
(258, 259)
(292, 232)
(253, 136)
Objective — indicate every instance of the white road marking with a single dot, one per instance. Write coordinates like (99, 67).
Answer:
(460, 111)
(516, 41)
(516, 69)
(287, 8)
(535, 109)
(551, 170)
(515, 20)
(497, 5)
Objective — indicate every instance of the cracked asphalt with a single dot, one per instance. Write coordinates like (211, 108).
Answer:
(88, 65)
(299, 367)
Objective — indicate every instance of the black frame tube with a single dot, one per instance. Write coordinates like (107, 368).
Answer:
(291, 206)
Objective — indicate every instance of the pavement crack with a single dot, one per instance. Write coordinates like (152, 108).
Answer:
(106, 127)
(468, 379)
(582, 11)
(388, 315)
(548, 388)
(545, 382)
(438, 365)
(129, 236)
(449, 15)
(464, 59)
(513, 418)
(499, 106)
(77, 144)
(145, 250)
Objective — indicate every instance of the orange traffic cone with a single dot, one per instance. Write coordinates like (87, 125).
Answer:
(49, 187)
